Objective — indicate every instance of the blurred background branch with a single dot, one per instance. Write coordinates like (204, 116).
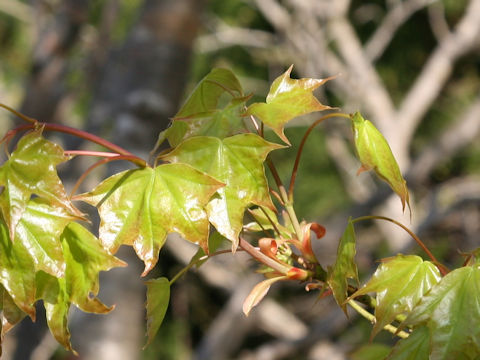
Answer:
(121, 68)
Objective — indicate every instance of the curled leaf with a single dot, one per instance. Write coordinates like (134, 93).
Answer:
(258, 293)
(344, 267)
(375, 154)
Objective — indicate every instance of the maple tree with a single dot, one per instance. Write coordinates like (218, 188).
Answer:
(201, 187)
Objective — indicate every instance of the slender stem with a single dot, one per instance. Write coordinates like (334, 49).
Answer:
(264, 259)
(72, 131)
(442, 268)
(193, 263)
(286, 202)
(87, 136)
(20, 115)
(302, 144)
(371, 318)
(90, 153)
(94, 166)
(271, 221)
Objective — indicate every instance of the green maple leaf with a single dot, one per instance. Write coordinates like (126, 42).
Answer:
(53, 292)
(84, 258)
(287, 99)
(375, 153)
(31, 169)
(205, 96)
(415, 347)
(237, 161)
(158, 297)
(451, 311)
(140, 207)
(344, 267)
(39, 230)
(400, 282)
(11, 313)
(17, 271)
(200, 116)
(218, 123)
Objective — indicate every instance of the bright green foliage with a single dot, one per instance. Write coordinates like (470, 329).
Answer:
(39, 230)
(219, 123)
(158, 297)
(287, 99)
(400, 282)
(344, 268)
(451, 311)
(140, 207)
(31, 169)
(11, 314)
(371, 352)
(237, 162)
(84, 259)
(204, 98)
(54, 294)
(17, 272)
(215, 174)
(200, 115)
(415, 347)
(375, 153)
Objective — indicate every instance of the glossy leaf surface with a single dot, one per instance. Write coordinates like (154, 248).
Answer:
(287, 99)
(236, 161)
(451, 311)
(218, 123)
(85, 258)
(39, 230)
(31, 169)
(17, 271)
(204, 98)
(370, 352)
(55, 298)
(11, 313)
(140, 207)
(415, 347)
(158, 298)
(400, 282)
(344, 267)
(375, 154)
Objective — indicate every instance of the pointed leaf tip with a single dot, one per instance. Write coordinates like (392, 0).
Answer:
(400, 282)
(287, 99)
(344, 267)
(158, 298)
(140, 207)
(375, 154)
(258, 293)
(236, 161)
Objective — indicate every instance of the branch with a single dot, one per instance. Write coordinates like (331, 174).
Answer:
(458, 135)
(437, 70)
(385, 32)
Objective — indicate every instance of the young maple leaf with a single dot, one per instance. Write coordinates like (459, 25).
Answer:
(140, 207)
(31, 169)
(400, 282)
(375, 153)
(287, 99)
(237, 161)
